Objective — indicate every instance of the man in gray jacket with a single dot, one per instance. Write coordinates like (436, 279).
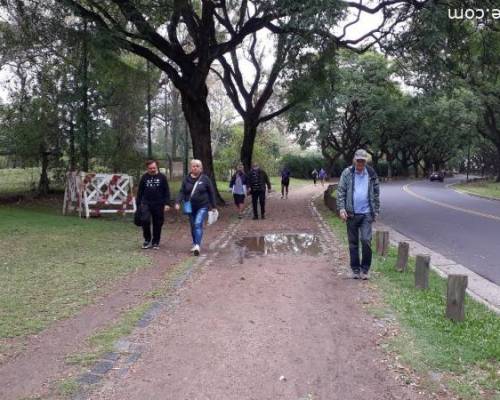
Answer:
(358, 203)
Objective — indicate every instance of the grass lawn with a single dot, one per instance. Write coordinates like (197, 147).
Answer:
(465, 355)
(18, 180)
(52, 265)
(294, 182)
(482, 188)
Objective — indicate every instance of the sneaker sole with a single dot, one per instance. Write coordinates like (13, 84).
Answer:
(196, 253)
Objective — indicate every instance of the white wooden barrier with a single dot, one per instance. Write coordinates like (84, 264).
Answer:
(96, 194)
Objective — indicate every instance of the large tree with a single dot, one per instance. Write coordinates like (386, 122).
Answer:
(183, 38)
(448, 53)
(250, 97)
(348, 104)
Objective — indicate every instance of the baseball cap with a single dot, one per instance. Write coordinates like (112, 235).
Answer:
(361, 155)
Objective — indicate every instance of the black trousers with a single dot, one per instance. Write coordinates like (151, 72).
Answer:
(284, 186)
(157, 218)
(260, 197)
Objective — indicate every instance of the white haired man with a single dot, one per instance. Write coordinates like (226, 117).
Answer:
(358, 204)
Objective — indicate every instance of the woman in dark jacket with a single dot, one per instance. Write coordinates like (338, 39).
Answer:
(198, 189)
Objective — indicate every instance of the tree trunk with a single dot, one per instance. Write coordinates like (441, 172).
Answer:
(72, 149)
(43, 185)
(249, 135)
(405, 168)
(85, 136)
(175, 123)
(390, 159)
(148, 103)
(197, 115)
(497, 163)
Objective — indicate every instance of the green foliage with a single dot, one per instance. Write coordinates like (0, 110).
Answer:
(451, 54)
(123, 85)
(265, 153)
(301, 166)
(349, 106)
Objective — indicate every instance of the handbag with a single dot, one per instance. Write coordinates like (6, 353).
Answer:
(213, 216)
(187, 208)
(142, 215)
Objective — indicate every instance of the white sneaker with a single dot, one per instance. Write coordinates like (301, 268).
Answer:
(196, 250)
(193, 248)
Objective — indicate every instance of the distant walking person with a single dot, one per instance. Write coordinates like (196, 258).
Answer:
(314, 175)
(198, 196)
(153, 197)
(285, 182)
(257, 181)
(358, 203)
(238, 185)
(322, 176)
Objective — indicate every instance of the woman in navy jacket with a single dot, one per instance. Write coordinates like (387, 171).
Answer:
(198, 189)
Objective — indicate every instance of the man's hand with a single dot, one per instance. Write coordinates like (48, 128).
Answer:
(177, 207)
(167, 208)
(343, 215)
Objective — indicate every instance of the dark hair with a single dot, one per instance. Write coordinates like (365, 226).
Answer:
(149, 162)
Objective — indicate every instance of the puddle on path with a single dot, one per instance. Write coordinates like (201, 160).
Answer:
(279, 243)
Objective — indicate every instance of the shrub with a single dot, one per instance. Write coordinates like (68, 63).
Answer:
(301, 166)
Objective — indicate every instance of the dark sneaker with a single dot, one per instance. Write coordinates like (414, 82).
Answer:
(364, 276)
(240, 216)
(255, 217)
(156, 246)
(263, 217)
(355, 275)
(146, 245)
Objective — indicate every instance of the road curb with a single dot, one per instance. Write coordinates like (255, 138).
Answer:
(479, 288)
(461, 191)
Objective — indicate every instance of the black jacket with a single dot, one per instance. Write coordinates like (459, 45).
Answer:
(153, 190)
(203, 196)
(258, 180)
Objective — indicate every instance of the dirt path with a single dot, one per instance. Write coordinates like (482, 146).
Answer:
(31, 371)
(272, 327)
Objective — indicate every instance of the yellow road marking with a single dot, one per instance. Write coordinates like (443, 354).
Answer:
(438, 203)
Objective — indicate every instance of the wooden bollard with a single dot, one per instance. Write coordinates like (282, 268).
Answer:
(422, 271)
(385, 248)
(377, 242)
(403, 252)
(382, 243)
(455, 297)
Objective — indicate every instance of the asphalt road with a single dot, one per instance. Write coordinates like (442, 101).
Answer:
(463, 228)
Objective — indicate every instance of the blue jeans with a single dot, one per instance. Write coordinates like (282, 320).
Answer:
(197, 217)
(359, 228)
